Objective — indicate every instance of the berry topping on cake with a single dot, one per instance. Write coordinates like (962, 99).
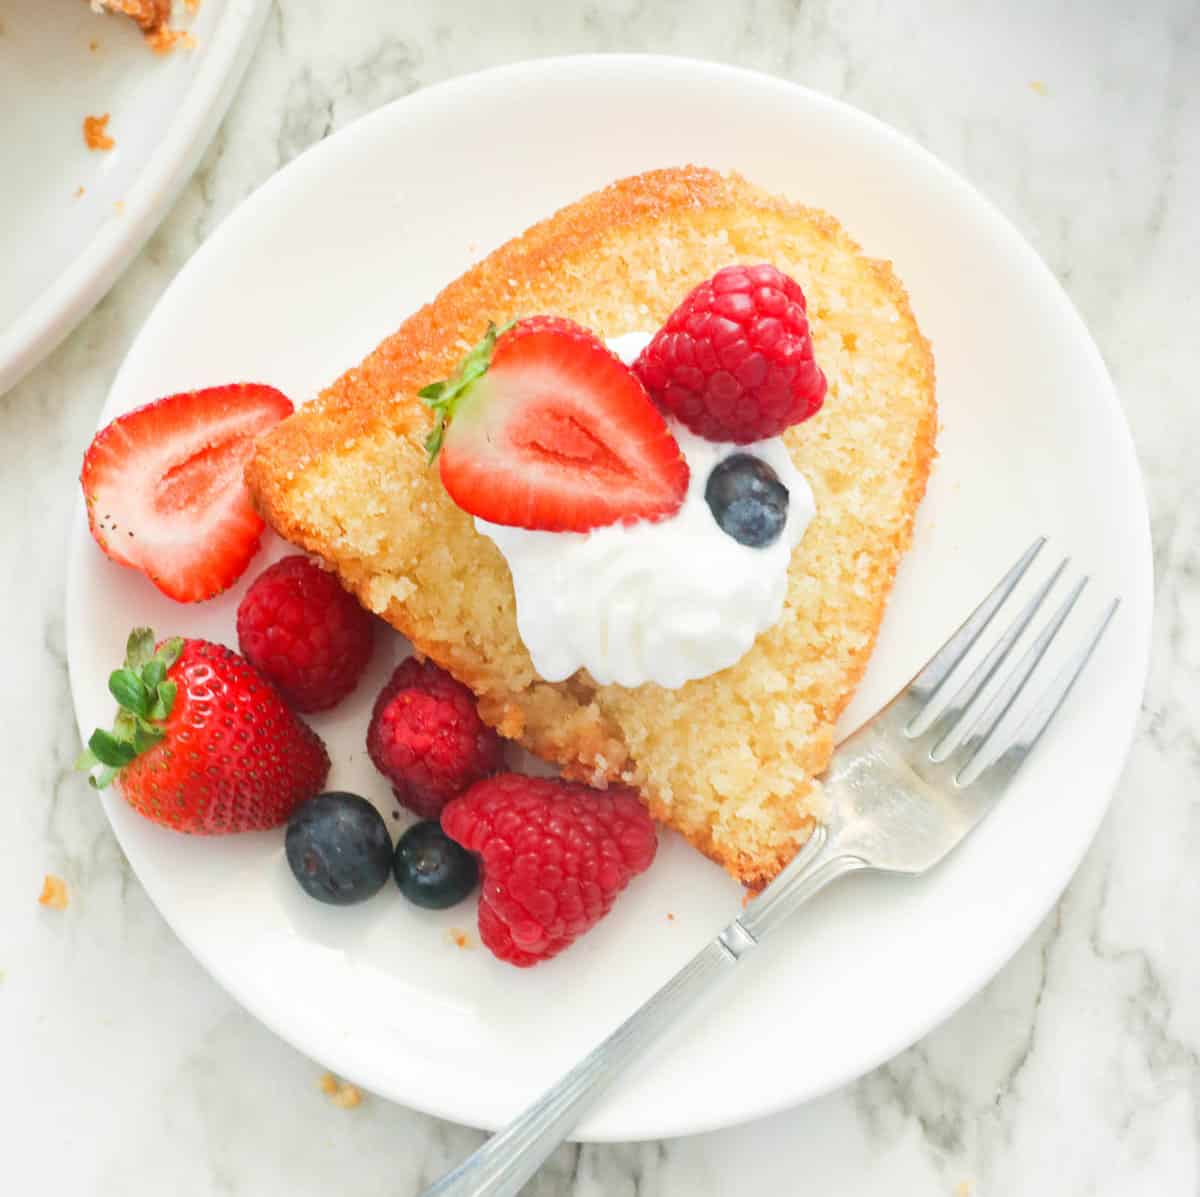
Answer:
(164, 491)
(734, 362)
(544, 428)
(303, 632)
(554, 857)
(747, 500)
(338, 848)
(202, 742)
(427, 739)
(431, 869)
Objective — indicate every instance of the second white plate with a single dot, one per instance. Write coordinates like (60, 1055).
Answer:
(327, 258)
(70, 217)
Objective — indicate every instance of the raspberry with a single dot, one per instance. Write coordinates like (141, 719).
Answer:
(427, 739)
(300, 629)
(734, 362)
(554, 856)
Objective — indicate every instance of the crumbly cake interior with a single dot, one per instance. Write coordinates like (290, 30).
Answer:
(151, 15)
(728, 760)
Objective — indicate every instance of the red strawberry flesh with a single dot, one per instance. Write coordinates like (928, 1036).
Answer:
(164, 489)
(559, 435)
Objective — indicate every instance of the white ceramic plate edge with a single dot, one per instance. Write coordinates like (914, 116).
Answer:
(58, 309)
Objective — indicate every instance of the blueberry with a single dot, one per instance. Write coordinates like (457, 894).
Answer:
(431, 869)
(747, 500)
(339, 848)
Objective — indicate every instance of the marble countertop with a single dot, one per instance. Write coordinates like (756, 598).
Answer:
(1077, 1071)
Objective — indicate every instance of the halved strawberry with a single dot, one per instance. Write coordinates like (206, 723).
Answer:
(543, 427)
(164, 490)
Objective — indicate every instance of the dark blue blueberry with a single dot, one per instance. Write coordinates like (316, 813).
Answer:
(339, 848)
(747, 500)
(431, 869)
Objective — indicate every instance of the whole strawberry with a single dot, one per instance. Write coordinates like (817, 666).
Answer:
(202, 743)
(734, 362)
(427, 739)
(554, 857)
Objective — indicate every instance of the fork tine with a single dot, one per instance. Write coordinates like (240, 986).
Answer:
(977, 737)
(925, 686)
(949, 719)
(1029, 732)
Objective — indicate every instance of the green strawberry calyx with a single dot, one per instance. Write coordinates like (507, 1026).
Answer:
(444, 397)
(145, 697)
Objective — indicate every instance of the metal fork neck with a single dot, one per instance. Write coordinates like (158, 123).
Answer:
(736, 940)
(818, 863)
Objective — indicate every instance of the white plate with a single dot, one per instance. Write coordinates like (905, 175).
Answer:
(328, 257)
(62, 250)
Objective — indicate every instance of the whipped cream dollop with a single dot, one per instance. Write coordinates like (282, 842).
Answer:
(661, 602)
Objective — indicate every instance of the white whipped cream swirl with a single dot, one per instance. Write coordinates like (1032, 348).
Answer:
(661, 602)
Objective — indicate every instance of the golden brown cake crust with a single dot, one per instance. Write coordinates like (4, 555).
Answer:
(433, 339)
(728, 760)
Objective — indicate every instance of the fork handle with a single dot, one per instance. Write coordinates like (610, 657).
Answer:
(501, 1167)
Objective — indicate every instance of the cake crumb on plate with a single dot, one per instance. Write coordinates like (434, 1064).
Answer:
(95, 133)
(164, 40)
(54, 893)
(341, 1093)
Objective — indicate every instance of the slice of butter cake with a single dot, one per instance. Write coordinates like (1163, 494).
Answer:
(728, 760)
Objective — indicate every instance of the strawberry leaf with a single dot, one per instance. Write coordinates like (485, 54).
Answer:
(139, 648)
(145, 696)
(129, 691)
(164, 700)
(145, 736)
(433, 442)
(171, 651)
(443, 397)
(108, 750)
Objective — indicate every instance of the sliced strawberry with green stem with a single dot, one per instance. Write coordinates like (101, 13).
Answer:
(164, 489)
(544, 427)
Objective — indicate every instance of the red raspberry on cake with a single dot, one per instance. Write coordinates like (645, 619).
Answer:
(554, 857)
(427, 739)
(301, 630)
(734, 362)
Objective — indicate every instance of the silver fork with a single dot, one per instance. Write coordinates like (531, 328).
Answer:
(903, 791)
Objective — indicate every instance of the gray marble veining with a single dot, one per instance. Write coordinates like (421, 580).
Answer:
(1077, 1071)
